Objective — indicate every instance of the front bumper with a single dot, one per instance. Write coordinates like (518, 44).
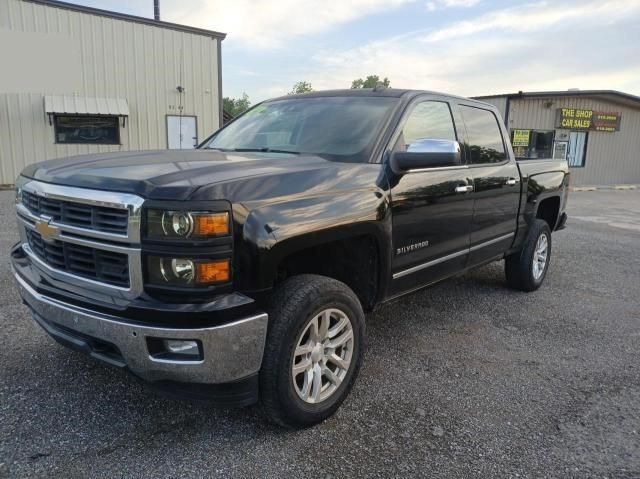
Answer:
(231, 353)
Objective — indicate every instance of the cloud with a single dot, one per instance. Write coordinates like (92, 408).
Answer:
(535, 16)
(532, 47)
(272, 23)
(438, 4)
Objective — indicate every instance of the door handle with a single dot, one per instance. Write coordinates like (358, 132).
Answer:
(464, 189)
(511, 182)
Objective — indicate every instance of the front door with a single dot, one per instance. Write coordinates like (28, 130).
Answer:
(182, 132)
(496, 185)
(431, 220)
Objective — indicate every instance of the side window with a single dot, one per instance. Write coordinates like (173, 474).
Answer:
(99, 130)
(484, 136)
(428, 120)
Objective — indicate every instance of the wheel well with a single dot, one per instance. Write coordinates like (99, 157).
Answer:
(548, 210)
(354, 261)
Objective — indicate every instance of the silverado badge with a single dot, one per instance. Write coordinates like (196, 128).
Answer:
(412, 247)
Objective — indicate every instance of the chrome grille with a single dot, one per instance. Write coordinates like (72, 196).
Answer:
(82, 239)
(92, 263)
(99, 218)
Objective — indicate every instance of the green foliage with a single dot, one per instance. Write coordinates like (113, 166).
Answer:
(370, 82)
(236, 106)
(300, 87)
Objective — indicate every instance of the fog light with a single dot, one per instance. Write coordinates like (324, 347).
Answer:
(182, 348)
(161, 349)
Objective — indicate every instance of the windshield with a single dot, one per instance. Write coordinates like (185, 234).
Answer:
(340, 128)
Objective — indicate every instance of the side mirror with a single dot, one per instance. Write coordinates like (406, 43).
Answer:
(426, 154)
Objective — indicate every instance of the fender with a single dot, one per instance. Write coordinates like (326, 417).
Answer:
(540, 187)
(289, 206)
(539, 184)
(272, 232)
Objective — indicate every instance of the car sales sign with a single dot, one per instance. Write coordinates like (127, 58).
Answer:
(520, 138)
(577, 119)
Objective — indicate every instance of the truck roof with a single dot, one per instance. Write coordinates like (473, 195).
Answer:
(372, 92)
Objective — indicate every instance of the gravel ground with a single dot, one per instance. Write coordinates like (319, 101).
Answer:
(466, 379)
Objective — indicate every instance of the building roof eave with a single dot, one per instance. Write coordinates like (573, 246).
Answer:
(614, 95)
(129, 18)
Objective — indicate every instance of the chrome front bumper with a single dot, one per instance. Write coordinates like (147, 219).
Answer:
(230, 352)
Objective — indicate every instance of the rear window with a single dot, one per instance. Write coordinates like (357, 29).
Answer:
(483, 135)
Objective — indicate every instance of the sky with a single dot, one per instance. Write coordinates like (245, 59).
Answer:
(463, 47)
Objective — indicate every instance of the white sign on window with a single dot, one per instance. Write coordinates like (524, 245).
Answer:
(560, 150)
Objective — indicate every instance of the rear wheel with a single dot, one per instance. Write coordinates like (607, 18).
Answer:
(313, 351)
(526, 269)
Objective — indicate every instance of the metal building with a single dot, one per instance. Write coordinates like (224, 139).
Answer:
(79, 80)
(597, 131)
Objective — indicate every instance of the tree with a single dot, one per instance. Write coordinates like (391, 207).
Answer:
(370, 82)
(300, 87)
(236, 106)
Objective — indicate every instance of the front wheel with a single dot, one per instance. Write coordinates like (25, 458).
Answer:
(526, 269)
(313, 351)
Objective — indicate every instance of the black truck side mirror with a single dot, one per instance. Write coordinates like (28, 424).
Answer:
(426, 154)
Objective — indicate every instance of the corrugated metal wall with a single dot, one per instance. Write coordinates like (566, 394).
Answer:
(120, 59)
(499, 102)
(611, 157)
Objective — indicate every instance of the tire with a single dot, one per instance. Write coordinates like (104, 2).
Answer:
(519, 267)
(297, 304)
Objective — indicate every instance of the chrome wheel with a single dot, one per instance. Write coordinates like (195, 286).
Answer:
(322, 356)
(540, 255)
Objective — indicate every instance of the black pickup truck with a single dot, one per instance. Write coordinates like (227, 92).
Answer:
(240, 271)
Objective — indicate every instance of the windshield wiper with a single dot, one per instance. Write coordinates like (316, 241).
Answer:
(264, 150)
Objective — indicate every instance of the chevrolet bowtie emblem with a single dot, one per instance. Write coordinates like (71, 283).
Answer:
(47, 231)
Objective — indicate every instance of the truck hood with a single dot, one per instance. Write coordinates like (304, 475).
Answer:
(177, 174)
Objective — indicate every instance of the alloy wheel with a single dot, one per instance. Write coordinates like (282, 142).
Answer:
(540, 255)
(322, 356)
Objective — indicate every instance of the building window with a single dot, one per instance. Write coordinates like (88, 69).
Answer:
(97, 130)
(577, 148)
(483, 135)
(538, 144)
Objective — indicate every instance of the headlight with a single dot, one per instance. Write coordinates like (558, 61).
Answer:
(187, 272)
(167, 224)
(20, 182)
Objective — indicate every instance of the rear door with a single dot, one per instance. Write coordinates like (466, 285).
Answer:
(182, 132)
(431, 221)
(496, 184)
